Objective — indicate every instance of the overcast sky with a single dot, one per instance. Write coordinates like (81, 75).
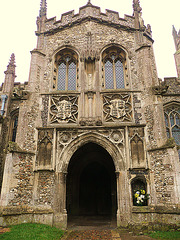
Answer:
(18, 24)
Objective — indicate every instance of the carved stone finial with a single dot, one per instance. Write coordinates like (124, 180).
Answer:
(12, 59)
(89, 2)
(136, 6)
(11, 66)
(43, 8)
(176, 37)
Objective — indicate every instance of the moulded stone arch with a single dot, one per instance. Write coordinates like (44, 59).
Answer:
(171, 103)
(115, 45)
(171, 116)
(14, 114)
(79, 141)
(65, 47)
(59, 59)
(139, 180)
(121, 53)
(143, 178)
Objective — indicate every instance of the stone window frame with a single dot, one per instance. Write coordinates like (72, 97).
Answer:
(113, 54)
(172, 110)
(66, 57)
(175, 106)
(13, 127)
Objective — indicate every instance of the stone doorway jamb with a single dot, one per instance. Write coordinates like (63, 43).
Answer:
(66, 155)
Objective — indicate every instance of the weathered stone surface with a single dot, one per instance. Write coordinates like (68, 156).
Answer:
(93, 97)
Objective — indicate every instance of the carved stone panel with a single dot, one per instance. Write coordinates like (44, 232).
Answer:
(136, 137)
(44, 149)
(66, 138)
(63, 109)
(117, 107)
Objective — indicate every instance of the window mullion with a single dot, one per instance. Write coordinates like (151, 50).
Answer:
(169, 124)
(67, 72)
(114, 74)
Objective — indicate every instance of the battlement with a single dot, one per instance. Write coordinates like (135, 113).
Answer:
(92, 12)
(174, 85)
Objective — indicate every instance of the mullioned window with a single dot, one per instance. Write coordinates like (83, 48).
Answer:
(114, 68)
(172, 120)
(66, 71)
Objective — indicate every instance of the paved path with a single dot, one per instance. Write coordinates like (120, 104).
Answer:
(101, 234)
(97, 228)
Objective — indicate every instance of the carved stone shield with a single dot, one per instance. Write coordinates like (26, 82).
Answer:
(64, 109)
(117, 108)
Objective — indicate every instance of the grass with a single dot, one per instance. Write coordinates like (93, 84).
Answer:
(172, 235)
(32, 231)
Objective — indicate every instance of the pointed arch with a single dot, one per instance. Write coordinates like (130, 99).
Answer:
(13, 125)
(79, 141)
(172, 120)
(65, 69)
(139, 191)
(114, 66)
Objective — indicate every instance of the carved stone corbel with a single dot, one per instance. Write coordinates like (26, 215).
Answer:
(160, 89)
(20, 93)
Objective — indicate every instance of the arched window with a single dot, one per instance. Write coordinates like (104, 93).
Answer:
(172, 120)
(139, 192)
(114, 68)
(66, 69)
(13, 127)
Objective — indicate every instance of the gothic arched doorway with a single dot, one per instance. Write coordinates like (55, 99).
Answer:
(91, 183)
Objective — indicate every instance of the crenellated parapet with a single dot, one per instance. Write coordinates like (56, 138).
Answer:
(88, 12)
(93, 13)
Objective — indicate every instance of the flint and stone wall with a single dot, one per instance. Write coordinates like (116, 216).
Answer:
(33, 192)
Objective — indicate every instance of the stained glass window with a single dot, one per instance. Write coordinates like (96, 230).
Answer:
(61, 77)
(119, 74)
(109, 75)
(67, 73)
(172, 120)
(72, 76)
(114, 72)
(176, 134)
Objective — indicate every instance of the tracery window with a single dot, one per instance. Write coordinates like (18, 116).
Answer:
(114, 68)
(66, 70)
(13, 127)
(172, 119)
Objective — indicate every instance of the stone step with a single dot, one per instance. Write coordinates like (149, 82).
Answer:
(91, 234)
